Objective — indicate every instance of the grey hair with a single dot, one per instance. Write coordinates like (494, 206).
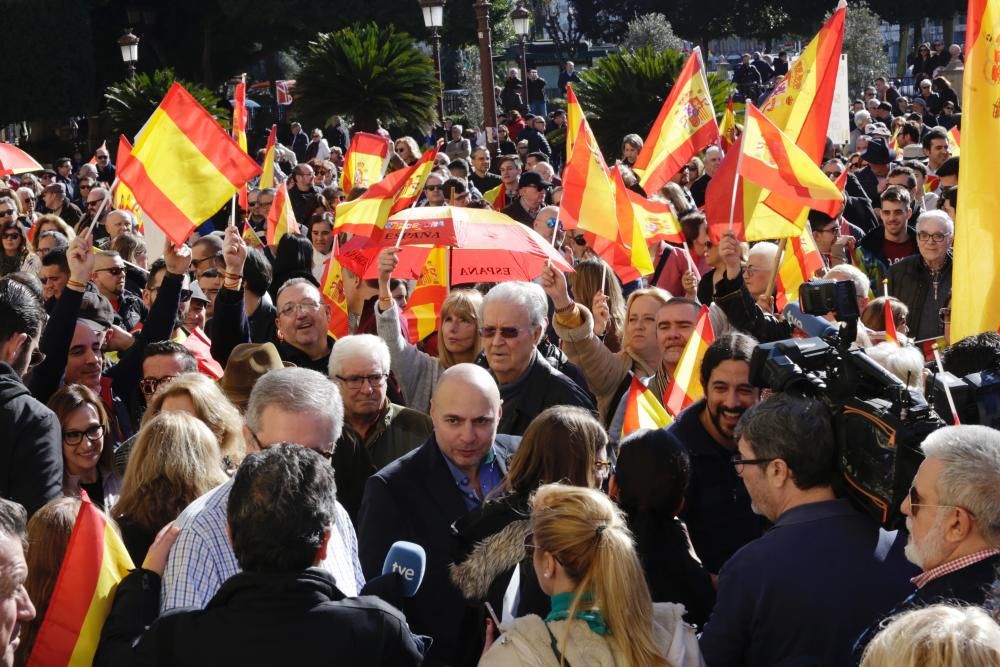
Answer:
(528, 296)
(298, 389)
(359, 345)
(937, 216)
(14, 521)
(861, 116)
(862, 283)
(971, 458)
(128, 215)
(903, 361)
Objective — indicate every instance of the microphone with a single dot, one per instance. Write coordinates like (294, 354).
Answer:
(402, 574)
(813, 326)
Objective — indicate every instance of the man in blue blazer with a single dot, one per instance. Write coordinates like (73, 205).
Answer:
(418, 497)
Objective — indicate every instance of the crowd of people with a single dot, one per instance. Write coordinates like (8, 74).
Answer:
(259, 482)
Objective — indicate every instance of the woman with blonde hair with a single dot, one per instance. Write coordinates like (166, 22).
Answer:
(198, 396)
(936, 636)
(596, 287)
(51, 223)
(174, 461)
(87, 450)
(458, 338)
(584, 558)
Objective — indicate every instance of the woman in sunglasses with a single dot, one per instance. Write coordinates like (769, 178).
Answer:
(17, 254)
(86, 460)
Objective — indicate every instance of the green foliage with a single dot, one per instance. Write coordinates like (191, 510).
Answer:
(369, 73)
(624, 92)
(130, 103)
(864, 46)
(652, 30)
(471, 81)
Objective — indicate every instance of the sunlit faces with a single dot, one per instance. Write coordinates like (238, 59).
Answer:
(15, 605)
(675, 322)
(302, 316)
(508, 356)
(728, 395)
(53, 281)
(509, 173)
(321, 235)
(926, 521)
(465, 418)
(84, 363)
(894, 216)
(83, 440)
(109, 275)
(640, 326)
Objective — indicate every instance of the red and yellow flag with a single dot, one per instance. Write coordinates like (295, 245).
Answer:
(685, 387)
(267, 169)
(955, 139)
(281, 217)
(976, 273)
(727, 128)
(630, 234)
(685, 125)
(890, 324)
(588, 200)
(93, 160)
(332, 288)
(497, 197)
(367, 214)
(574, 118)
(799, 263)
(184, 166)
(240, 130)
(95, 562)
(423, 308)
(250, 236)
(365, 161)
(642, 409)
(656, 219)
(201, 347)
(799, 106)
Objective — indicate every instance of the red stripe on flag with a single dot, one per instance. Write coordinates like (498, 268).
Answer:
(158, 206)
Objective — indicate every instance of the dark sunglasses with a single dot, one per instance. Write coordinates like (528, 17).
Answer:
(580, 240)
(114, 270)
(6, 212)
(432, 188)
(505, 332)
(149, 385)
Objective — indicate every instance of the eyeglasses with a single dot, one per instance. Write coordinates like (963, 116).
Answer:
(197, 262)
(85, 187)
(833, 174)
(374, 380)
(529, 544)
(738, 461)
(915, 502)
(103, 157)
(74, 438)
(307, 307)
(828, 230)
(944, 316)
(304, 173)
(149, 385)
(489, 333)
(580, 240)
(92, 204)
(550, 223)
(604, 467)
(114, 270)
(6, 212)
(750, 270)
(937, 237)
(432, 188)
(37, 356)
(252, 203)
(266, 204)
(325, 453)
(11, 236)
(322, 172)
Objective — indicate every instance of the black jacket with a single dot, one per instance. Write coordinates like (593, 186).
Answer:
(536, 140)
(31, 458)
(909, 281)
(744, 314)
(541, 387)
(298, 143)
(415, 498)
(304, 204)
(131, 311)
(298, 618)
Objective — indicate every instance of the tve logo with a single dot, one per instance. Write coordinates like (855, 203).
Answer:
(407, 573)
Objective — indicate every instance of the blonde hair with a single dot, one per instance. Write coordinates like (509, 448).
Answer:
(213, 408)
(589, 538)
(465, 304)
(658, 294)
(587, 282)
(175, 460)
(936, 636)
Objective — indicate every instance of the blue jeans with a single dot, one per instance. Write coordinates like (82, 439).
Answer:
(538, 107)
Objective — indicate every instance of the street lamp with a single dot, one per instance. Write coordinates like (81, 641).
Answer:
(522, 28)
(433, 11)
(129, 45)
(482, 8)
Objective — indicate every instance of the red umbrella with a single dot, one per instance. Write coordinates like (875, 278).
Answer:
(15, 161)
(487, 246)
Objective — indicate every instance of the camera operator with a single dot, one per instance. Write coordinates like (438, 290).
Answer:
(801, 593)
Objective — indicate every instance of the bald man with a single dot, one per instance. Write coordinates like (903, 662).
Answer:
(419, 496)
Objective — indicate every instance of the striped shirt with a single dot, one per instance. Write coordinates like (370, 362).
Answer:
(952, 566)
(202, 558)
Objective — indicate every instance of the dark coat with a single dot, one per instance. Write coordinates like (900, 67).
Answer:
(304, 204)
(415, 498)
(298, 143)
(909, 281)
(31, 458)
(131, 311)
(541, 388)
(268, 619)
(744, 314)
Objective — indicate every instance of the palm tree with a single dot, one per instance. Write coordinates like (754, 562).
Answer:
(130, 103)
(371, 74)
(623, 93)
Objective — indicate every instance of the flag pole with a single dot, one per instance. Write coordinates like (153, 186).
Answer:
(885, 287)
(604, 277)
(777, 265)
(232, 211)
(402, 230)
(947, 390)
(691, 267)
(739, 163)
(104, 205)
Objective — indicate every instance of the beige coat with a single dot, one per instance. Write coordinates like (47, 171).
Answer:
(526, 643)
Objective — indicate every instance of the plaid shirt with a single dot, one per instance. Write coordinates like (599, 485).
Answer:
(202, 558)
(952, 566)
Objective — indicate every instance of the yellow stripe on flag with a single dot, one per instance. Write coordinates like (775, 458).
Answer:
(642, 410)
(685, 387)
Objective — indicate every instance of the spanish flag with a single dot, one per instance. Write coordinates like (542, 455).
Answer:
(686, 124)
(423, 309)
(574, 119)
(955, 139)
(890, 324)
(588, 200)
(685, 387)
(642, 410)
(281, 218)
(656, 219)
(332, 288)
(497, 197)
(727, 128)
(367, 214)
(250, 236)
(365, 162)
(267, 169)
(240, 129)
(95, 562)
(184, 166)
(975, 294)
(799, 263)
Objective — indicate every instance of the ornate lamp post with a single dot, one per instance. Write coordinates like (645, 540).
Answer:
(129, 45)
(482, 8)
(433, 11)
(521, 18)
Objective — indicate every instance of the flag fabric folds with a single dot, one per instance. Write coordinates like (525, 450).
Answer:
(184, 166)
(642, 410)
(423, 308)
(367, 214)
(267, 169)
(250, 236)
(685, 125)
(976, 267)
(281, 217)
(727, 128)
(365, 162)
(240, 130)
(799, 264)
(95, 562)
(574, 118)
(955, 139)
(497, 197)
(656, 219)
(890, 324)
(332, 289)
(685, 387)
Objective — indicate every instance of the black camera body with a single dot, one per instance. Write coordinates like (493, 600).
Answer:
(976, 397)
(878, 422)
